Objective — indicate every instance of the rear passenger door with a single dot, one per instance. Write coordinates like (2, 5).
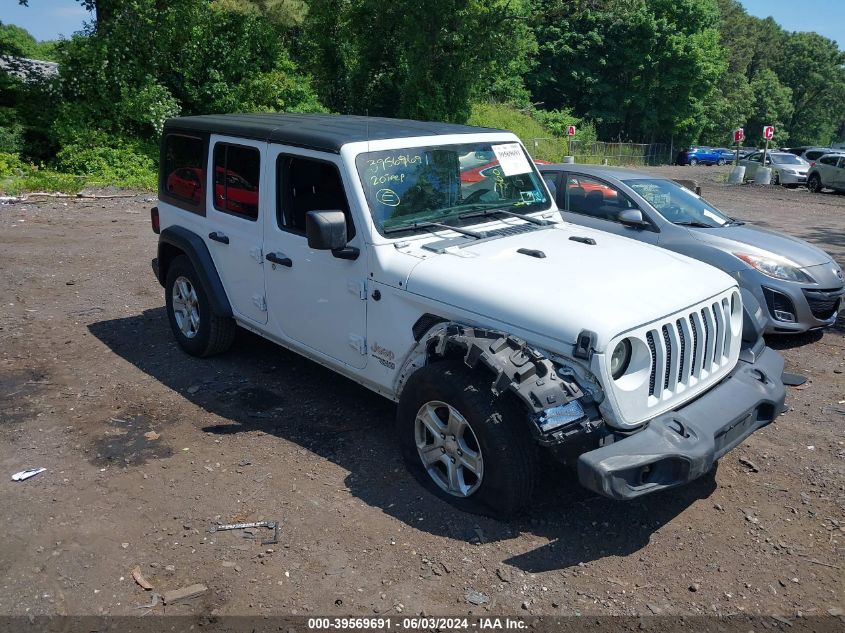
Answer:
(236, 205)
(595, 203)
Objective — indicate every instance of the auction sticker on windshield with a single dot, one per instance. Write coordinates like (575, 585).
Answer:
(511, 158)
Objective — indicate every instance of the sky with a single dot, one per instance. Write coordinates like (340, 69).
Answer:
(48, 19)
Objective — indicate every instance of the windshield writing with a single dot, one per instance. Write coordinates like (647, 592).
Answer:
(411, 186)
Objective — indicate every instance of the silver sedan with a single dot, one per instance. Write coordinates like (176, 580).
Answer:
(787, 169)
(797, 286)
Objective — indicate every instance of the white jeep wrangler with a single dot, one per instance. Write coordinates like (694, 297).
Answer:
(428, 262)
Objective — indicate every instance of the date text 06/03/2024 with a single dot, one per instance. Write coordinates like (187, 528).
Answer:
(416, 623)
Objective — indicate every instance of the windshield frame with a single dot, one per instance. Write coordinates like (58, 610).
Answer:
(631, 183)
(359, 150)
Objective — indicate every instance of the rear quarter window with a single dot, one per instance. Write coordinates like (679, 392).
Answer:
(183, 171)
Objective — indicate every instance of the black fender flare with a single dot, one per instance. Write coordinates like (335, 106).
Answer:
(195, 248)
(516, 366)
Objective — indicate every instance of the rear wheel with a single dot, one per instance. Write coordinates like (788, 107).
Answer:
(198, 330)
(468, 446)
(814, 183)
(693, 162)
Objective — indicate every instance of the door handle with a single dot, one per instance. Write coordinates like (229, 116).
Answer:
(279, 258)
(217, 236)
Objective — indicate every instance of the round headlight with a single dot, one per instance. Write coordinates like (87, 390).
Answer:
(620, 359)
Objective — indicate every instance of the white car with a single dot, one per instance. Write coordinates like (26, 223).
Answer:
(827, 172)
(452, 287)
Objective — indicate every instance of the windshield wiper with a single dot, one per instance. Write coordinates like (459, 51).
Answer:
(521, 216)
(435, 225)
(733, 222)
(697, 225)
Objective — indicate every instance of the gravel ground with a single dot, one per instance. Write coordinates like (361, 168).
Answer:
(145, 448)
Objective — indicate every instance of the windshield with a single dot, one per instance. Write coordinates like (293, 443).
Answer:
(678, 204)
(418, 185)
(788, 159)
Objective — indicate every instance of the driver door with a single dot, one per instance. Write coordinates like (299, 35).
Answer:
(595, 203)
(315, 299)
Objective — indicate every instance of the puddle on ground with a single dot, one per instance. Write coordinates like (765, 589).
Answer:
(129, 441)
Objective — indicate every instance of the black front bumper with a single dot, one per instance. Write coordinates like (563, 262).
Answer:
(682, 445)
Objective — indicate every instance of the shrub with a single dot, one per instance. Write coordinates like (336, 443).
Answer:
(123, 166)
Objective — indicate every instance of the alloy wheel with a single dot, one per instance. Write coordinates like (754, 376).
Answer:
(186, 308)
(448, 448)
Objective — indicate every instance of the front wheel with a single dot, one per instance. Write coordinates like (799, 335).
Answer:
(198, 330)
(814, 184)
(720, 162)
(468, 446)
(776, 178)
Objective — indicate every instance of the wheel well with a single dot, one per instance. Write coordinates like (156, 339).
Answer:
(166, 254)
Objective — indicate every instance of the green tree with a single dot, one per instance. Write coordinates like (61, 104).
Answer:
(419, 60)
(772, 106)
(641, 70)
(813, 68)
(18, 42)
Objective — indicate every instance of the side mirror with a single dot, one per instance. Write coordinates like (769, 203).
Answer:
(632, 218)
(326, 231)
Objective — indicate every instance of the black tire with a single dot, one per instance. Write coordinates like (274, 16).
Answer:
(510, 456)
(776, 178)
(814, 184)
(215, 333)
(693, 162)
(720, 162)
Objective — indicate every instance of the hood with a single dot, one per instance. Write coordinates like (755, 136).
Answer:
(739, 238)
(609, 288)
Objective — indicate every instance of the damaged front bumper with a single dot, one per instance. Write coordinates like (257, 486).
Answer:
(682, 445)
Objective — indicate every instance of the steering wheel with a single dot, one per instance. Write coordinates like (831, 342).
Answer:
(672, 212)
(475, 196)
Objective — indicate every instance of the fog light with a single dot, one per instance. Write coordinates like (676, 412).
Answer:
(556, 417)
(780, 315)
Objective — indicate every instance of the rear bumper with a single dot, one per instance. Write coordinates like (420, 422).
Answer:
(680, 446)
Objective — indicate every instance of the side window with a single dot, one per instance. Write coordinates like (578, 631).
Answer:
(303, 185)
(237, 171)
(183, 172)
(592, 197)
(841, 162)
(757, 158)
(551, 183)
(828, 160)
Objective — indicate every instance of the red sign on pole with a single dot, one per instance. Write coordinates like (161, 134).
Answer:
(570, 130)
(768, 131)
(739, 135)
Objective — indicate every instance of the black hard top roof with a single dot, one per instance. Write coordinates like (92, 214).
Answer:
(325, 132)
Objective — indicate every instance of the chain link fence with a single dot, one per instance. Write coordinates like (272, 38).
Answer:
(598, 152)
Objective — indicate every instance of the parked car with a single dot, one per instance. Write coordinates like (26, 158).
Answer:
(728, 155)
(702, 155)
(828, 172)
(787, 169)
(499, 329)
(799, 285)
(814, 153)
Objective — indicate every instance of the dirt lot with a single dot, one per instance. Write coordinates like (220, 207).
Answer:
(145, 448)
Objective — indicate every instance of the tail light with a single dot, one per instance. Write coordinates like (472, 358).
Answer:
(813, 164)
(155, 221)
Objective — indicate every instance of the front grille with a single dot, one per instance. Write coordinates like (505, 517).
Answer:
(824, 303)
(673, 369)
